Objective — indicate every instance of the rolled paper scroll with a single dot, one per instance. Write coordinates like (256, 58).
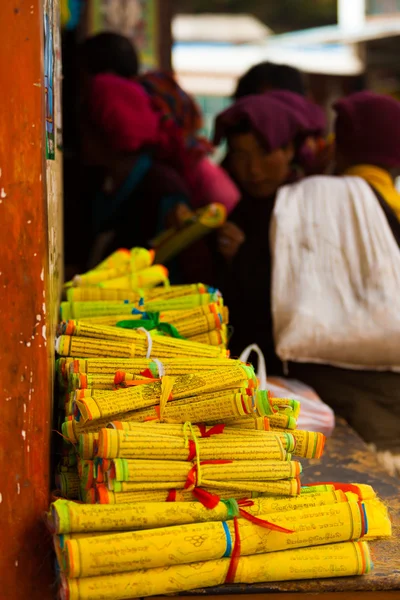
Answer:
(215, 409)
(120, 263)
(179, 430)
(189, 323)
(147, 278)
(98, 275)
(333, 560)
(168, 366)
(309, 444)
(119, 552)
(95, 308)
(222, 489)
(141, 258)
(79, 346)
(93, 294)
(379, 523)
(66, 516)
(211, 473)
(186, 302)
(88, 445)
(119, 258)
(201, 325)
(196, 314)
(143, 346)
(124, 444)
(214, 338)
(105, 496)
(98, 406)
(69, 484)
(171, 242)
(72, 429)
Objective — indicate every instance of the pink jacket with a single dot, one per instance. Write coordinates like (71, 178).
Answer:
(209, 183)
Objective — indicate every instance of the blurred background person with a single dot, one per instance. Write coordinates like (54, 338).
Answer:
(125, 136)
(109, 52)
(264, 134)
(317, 152)
(204, 181)
(105, 52)
(267, 76)
(207, 181)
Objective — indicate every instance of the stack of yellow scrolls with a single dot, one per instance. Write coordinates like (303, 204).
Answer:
(148, 548)
(187, 474)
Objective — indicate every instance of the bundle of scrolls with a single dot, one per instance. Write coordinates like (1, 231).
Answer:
(169, 443)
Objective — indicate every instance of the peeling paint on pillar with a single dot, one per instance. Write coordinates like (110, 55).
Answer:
(26, 292)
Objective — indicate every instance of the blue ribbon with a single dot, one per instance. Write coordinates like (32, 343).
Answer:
(228, 550)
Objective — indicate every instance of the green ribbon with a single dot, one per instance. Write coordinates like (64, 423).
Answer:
(232, 507)
(152, 321)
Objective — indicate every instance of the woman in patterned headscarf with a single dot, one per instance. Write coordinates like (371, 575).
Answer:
(207, 181)
(129, 139)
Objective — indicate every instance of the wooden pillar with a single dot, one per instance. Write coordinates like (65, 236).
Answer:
(28, 297)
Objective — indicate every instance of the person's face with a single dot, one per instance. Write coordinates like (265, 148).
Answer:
(257, 171)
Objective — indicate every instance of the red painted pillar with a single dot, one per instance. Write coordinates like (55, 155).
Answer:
(25, 315)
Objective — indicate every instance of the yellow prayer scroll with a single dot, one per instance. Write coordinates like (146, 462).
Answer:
(80, 346)
(168, 366)
(202, 325)
(180, 302)
(179, 430)
(333, 560)
(168, 472)
(119, 258)
(99, 406)
(68, 483)
(379, 524)
(129, 493)
(147, 278)
(251, 488)
(258, 423)
(88, 445)
(98, 381)
(97, 275)
(214, 338)
(143, 346)
(113, 295)
(102, 332)
(196, 315)
(141, 258)
(215, 409)
(66, 516)
(125, 444)
(309, 444)
(188, 322)
(171, 242)
(72, 429)
(119, 552)
(95, 308)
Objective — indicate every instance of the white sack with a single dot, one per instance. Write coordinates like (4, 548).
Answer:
(336, 276)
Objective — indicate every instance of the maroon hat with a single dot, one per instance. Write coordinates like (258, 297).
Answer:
(368, 129)
(122, 111)
(279, 117)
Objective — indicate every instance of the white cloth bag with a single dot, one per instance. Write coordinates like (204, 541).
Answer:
(336, 276)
